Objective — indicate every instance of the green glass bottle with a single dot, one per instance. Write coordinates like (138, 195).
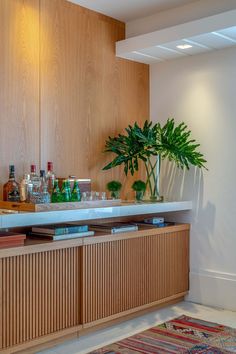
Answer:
(69, 188)
(76, 193)
(56, 193)
(65, 194)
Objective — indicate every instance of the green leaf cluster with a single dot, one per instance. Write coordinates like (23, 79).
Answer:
(114, 186)
(139, 186)
(170, 141)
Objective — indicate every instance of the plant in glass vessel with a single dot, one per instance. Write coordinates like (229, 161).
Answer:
(114, 187)
(139, 187)
(151, 144)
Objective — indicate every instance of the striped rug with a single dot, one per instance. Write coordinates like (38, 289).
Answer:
(181, 335)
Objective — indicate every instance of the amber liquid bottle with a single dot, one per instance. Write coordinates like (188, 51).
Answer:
(11, 189)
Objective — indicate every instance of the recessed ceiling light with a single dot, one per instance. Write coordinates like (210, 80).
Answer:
(184, 46)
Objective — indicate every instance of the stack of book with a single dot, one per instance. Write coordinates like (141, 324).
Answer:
(156, 221)
(11, 239)
(115, 228)
(60, 232)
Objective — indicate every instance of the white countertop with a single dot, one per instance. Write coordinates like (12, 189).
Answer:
(126, 209)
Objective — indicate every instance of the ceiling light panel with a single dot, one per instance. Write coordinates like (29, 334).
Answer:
(212, 41)
(229, 32)
(163, 52)
(141, 58)
(195, 48)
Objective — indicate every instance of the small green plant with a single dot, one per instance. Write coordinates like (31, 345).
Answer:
(114, 187)
(139, 186)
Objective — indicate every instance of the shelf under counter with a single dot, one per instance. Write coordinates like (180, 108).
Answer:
(23, 219)
(33, 246)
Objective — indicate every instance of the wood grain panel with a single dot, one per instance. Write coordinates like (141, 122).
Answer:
(19, 78)
(128, 274)
(86, 92)
(38, 295)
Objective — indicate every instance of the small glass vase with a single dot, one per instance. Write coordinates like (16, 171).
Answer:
(139, 196)
(115, 194)
(152, 166)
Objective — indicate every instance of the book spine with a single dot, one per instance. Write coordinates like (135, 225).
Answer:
(71, 230)
(61, 237)
(123, 229)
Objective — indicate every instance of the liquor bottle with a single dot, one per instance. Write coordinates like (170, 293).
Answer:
(76, 193)
(44, 194)
(11, 189)
(50, 177)
(35, 179)
(56, 193)
(24, 188)
(65, 194)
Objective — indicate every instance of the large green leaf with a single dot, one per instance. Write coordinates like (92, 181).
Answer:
(172, 142)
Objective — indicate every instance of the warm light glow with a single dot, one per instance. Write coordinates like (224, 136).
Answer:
(184, 46)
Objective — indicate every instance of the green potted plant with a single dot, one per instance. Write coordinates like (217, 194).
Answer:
(114, 187)
(151, 144)
(139, 187)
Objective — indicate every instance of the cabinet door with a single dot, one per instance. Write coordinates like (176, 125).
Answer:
(39, 295)
(131, 273)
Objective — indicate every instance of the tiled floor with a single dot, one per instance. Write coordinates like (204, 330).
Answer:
(109, 335)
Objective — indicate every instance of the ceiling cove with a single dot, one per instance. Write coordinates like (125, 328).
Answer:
(195, 37)
(129, 10)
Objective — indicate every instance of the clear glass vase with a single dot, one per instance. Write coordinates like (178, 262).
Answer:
(139, 196)
(115, 194)
(152, 166)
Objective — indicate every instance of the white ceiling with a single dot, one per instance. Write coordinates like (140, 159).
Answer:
(128, 10)
(203, 35)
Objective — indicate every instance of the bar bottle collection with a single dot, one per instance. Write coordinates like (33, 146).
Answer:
(42, 188)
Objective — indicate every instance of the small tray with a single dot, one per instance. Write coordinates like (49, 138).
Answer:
(59, 206)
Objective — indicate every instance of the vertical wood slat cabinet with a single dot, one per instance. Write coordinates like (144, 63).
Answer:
(45, 295)
(128, 275)
(39, 295)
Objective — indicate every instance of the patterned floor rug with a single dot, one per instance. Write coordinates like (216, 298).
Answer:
(181, 335)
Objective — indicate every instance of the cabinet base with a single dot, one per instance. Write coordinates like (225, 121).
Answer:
(49, 341)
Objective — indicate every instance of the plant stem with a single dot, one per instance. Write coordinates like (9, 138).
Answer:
(148, 178)
(152, 167)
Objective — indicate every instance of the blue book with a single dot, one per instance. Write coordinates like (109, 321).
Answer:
(61, 237)
(60, 229)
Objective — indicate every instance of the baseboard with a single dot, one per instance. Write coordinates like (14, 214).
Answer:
(212, 288)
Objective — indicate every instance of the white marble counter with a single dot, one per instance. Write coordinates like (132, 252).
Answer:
(126, 209)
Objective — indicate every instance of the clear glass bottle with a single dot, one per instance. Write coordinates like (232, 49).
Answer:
(35, 179)
(30, 190)
(44, 194)
(11, 189)
(76, 193)
(50, 177)
(24, 188)
(36, 183)
(56, 193)
(65, 194)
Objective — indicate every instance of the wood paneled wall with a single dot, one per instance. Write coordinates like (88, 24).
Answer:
(19, 84)
(63, 91)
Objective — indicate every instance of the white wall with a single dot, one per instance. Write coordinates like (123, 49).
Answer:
(189, 12)
(201, 91)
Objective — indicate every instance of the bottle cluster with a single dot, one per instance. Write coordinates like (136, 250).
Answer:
(38, 189)
(66, 193)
